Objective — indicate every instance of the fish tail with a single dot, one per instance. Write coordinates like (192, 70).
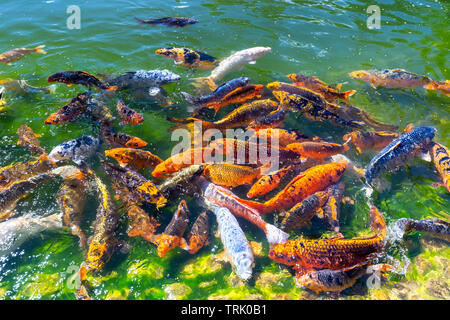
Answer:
(346, 94)
(444, 87)
(275, 235)
(432, 85)
(141, 22)
(189, 98)
(204, 82)
(39, 49)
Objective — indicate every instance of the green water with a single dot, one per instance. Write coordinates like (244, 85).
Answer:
(323, 38)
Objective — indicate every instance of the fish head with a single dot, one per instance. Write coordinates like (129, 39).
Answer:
(360, 75)
(54, 118)
(192, 21)
(243, 264)
(135, 142)
(428, 133)
(273, 86)
(163, 168)
(170, 53)
(58, 153)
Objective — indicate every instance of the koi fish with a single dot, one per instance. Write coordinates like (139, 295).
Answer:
(97, 111)
(211, 100)
(306, 93)
(313, 111)
(17, 54)
(394, 78)
(22, 171)
(173, 234)
(436, 227)
(22, 87)
(18, 190)
(72, 199)
(441, 159)
(218, 196)
(70, 111)
(234, 62)
(128, 115)
(134, 158)
(121, 139)
(303, 212)
(183, 160)
(148, 79)
(231, 175)
(181, 181)
(317, 150)
(370, 139)
(16, 231)
(326, 280)
(444, 87)
(235, 243)
(271, 120)
(398, 151)
(141, 224)
(169, 21)
(197, 238)
(78, 150)
(79, 77)
(189, 58)
(330, 210)
(283, 136)
(303, 185)
(267, 182)
(335, 254)
(28, 139)
(313, 83)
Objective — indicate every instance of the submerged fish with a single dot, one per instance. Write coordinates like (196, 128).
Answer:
(188, 57)
(394, 78)
(433, 226)
(121, 139)
(169, 21)
(231, 175)
(128, 115)
(331, 209)
(16, 231)
(28, 139)
(70, 111)
(235, 243)
(173, 234)
(181, 182)
(78, 150)
(79, 77)
(370, 139)
(267, 182)
(271, 120)
(305, 93)
(283, 136)
(17, 54)
(134, 158)
(197, 238)
(149, 79)
(441, 158)
(319, 86)
(398, 151)
(97, 111)
(317, 150)
(22, 87)
(234, 62)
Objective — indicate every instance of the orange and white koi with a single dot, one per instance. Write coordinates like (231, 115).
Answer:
(17, 54)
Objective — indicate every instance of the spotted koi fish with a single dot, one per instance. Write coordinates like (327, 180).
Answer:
(271, 120)
(189, 58)
(267, 182)
(173, 234)
(79, 77)
(370, 139)
(70, 111)
(306, 93)
(128, 115)
(181, 182)
(141, 224)
(335, 254)
(197, 238)
(317, 150)
(183, 160)
(436, 227)
(72, 199)
(97, 111)
(331, 208)
(78, 150)
(24, 170)
(303, 212)
(394, 78)
(313, 83)
(169, 21)
(17, 54)
(218, 196)
(134, 158)
(28, 139)
(441, 159)
(395, 154)
(231, 175)
(121, 139)
(303, 185)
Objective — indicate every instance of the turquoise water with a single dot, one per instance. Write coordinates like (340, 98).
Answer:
(323, 38)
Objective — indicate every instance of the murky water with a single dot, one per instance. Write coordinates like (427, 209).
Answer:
(323, 38)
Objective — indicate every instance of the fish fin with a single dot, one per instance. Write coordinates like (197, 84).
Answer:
(347, 94)
(372, 84)
(409, 128)
(111, 88)
(201, 83)
(39, 49)
(275, 235)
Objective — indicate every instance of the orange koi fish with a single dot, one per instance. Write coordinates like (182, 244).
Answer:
(317, 150)
(441, 159)
(313, 83)
(271, 120)
(268, 182)
(128, 115)
(141, 224)
(134, 158)
(173, 234)
(335, 253)
(188, 57)
(370, 139)
(17, 54)
(330, 210)
(28, 139)
(122, 139)
(283, 136)
(197, 238)
(231, 175)
(70, 111)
